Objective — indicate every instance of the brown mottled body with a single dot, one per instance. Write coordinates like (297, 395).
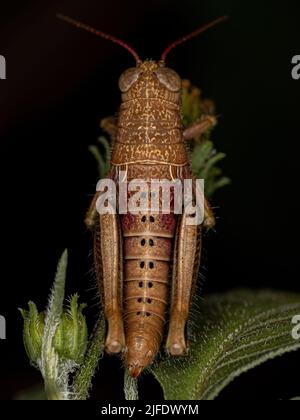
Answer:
(144, 258)
(139, 256)
(149, 145)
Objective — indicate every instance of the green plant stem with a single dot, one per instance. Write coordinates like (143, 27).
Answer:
(52, 391)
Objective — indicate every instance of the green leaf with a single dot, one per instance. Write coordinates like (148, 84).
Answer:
(83, 378)
(71, 337)
(33, 333)
(107, 148)
(103, 162)
(131, 391)
(200, 155)
(49, 358)
(232, 333)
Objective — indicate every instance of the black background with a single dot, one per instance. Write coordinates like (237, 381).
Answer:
(61, 81)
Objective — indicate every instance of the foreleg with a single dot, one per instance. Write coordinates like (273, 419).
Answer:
(200, 127)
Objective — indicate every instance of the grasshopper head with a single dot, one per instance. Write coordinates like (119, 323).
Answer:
(149, 75)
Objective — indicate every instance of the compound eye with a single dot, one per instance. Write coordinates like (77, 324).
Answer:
(169, 78)
(128, 78)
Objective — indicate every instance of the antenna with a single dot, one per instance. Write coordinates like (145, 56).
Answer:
(99, 33)
(192, 35)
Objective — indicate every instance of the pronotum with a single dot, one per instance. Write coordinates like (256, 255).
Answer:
(140, 257)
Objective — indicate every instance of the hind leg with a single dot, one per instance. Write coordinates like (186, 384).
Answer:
(186, 263)
(109, 267)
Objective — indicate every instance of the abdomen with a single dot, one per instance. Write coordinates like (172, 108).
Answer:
(148, 247)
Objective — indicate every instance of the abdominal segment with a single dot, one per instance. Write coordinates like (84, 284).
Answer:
(148, 240)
